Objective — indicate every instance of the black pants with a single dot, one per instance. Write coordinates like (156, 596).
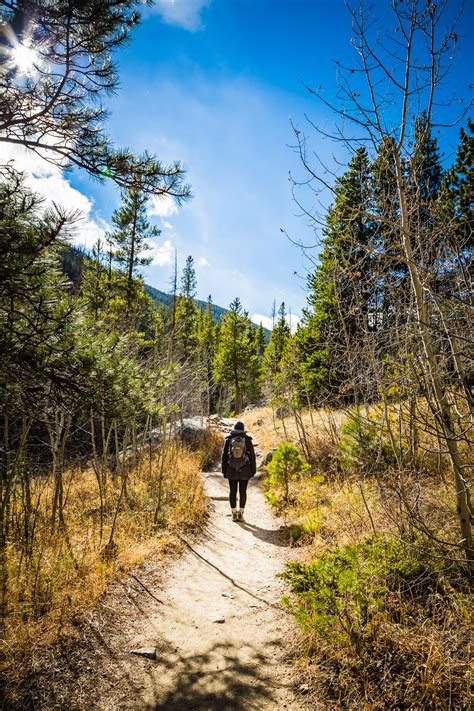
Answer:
(242, 485)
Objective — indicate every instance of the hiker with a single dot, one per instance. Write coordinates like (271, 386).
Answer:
(238, 466)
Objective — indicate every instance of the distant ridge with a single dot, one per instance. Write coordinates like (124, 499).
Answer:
(167, 299)
(73, 263)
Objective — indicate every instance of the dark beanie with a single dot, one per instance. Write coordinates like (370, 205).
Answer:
(239, 426)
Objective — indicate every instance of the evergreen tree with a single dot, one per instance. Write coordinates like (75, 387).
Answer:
(341, 294)
(57, 112)
(186, 336)
(423, 180)
(456, 202)
(35, 310)
(96, 281)
(276, 346)
(207, 340)
(236, 360)
(255, 370)
(133, 230)
(260, 342)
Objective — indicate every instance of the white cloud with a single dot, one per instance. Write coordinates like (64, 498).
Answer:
(162, 255)
(266, 321)
(202, 262)
(162, 206)
(49, 181)
(181, 13)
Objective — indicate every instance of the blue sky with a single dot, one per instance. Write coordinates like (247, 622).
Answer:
(214, 83)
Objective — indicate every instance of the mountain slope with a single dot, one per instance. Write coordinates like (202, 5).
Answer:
(72, 262)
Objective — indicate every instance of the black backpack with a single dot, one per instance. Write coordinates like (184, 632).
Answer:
(238, 456)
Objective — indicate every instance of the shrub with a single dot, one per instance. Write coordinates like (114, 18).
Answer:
(383, 620)
(210, 449)
(362, 444)
(286, 464)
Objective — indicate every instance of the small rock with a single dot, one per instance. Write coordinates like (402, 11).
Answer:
(147, 652)
(269, 456)
(229, 595)
(219, 619)
(304, 688)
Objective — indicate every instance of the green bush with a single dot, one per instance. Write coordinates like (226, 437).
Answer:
(347, 590)
(363, 443)
(383, 619)
(285, 466)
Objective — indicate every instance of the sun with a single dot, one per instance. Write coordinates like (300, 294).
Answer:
(24, 58)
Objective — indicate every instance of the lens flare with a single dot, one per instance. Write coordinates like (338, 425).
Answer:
(24, 58)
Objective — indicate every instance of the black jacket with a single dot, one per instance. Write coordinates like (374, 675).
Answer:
(250, 468)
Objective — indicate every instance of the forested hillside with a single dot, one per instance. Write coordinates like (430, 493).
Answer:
(73, 260)
(366, 410)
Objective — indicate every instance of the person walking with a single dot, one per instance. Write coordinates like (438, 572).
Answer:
(238, 466)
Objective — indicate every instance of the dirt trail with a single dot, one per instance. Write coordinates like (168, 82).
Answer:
(202, 664)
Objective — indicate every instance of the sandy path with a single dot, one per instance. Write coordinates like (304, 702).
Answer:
(203, 664)
(236, 665)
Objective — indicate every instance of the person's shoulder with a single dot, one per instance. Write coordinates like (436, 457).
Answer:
(248, 436)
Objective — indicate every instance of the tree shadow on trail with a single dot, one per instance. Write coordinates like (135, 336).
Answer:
(278, 537)
(218, 679)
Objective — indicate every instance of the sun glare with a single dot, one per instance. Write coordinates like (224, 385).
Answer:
(24, 58)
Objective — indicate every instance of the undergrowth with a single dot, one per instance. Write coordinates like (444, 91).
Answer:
(385, 625)
(54, 574)
(379, 587)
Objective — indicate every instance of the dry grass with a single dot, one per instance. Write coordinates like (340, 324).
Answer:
(413, 653)
(268, 430)
(210, 449)
(56, 574)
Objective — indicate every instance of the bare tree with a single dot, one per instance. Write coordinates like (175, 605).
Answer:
(398, 78)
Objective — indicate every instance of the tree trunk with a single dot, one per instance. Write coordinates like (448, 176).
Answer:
(433, 370)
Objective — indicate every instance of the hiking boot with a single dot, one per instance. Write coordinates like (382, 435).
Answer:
(235, 516)
(240, 515)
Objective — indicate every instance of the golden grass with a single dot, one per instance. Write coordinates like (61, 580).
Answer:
(417, 648)
(268, 431)
(57, 574)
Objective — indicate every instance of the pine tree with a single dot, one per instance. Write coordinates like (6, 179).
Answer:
(457, 191)
(423, 181)
(36, 311)
(341, 295)
(133, 230)
(255, 368)
(58, 113)
(207, 343)
(186, 337)
(235, 361)
(260, 342)
(95, 285)
(276, 346)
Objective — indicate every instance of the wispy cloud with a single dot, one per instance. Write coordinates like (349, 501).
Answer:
(49, 181)
(182, 13)
(162, 255)
(202, 262)
(162, 206)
